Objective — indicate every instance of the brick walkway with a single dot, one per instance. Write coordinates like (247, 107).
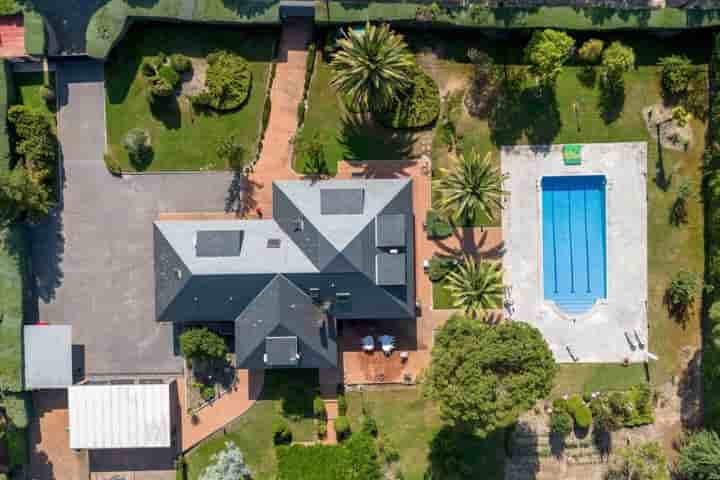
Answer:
(225, 409)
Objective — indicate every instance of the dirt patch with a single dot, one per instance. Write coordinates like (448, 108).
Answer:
(659, 122)
(448, 76)
(193, 82)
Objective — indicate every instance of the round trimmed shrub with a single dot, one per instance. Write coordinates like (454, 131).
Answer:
(137, 143)
(677, 71)
(419, 106)
(561, 423)
(281, 433)
(369, 425)
(159, 87)
(342, 405)
(342, 427)
(169, 74)
(580, 412)
(437, 226)
(228, 81)
(591, 51)
(180, 63)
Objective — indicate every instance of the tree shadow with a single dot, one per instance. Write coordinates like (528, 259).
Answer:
(142, 160)
(663, 180)
(362, 139)
(456, 455)
(689, 390)
(167, 110)
(602, 439)
(240, 198)
(587, 76)
(48, 249)
(542, 115)
(611, 102)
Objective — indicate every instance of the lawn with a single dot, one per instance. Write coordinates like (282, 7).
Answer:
(252, 432)
(12, 278)
(575, 114)
(27, 89)
(442, 299)
(347, 136)
(411, 424)
(181, 138)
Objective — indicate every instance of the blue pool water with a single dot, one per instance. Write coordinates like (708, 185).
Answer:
(574, 250)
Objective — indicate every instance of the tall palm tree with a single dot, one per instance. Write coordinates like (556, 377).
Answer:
(476, 287)
(372, 67)
(472, 188)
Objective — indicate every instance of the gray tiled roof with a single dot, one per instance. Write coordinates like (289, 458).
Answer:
(326, 253)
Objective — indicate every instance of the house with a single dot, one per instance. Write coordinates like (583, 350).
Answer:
(333, 250)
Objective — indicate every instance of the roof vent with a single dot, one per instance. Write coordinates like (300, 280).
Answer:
(300, 224)
(178, 273)
(273, 243)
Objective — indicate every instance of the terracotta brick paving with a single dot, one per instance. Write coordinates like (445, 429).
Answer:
(225, 409)
(12, 36)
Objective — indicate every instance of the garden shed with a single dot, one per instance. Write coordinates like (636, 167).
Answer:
(48, 356)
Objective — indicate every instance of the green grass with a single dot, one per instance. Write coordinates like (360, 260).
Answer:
(347, 136)
(252, 432)
(590, 377)
(442, 299)
(413, 426)
(182, 139)
(35, 40)
(12, 271)
(27, 89)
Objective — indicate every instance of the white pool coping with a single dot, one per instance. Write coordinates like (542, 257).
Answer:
(599, 334)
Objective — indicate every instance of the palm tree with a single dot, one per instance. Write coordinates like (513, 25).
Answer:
(472, 188)
(372, 67)
(476, 287)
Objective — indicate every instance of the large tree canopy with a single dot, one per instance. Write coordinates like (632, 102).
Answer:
(546, 53)
(483, 376)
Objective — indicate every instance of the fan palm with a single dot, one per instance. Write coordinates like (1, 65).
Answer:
(476, 287)
(472, 188)
(372, 67)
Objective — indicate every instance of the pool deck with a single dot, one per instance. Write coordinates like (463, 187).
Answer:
(599, 334)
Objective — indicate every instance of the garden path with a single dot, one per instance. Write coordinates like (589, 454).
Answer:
(285, 95)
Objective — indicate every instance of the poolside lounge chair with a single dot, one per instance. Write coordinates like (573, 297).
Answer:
(570, 351)
(630, 341)
(368, 344)
(639, 339)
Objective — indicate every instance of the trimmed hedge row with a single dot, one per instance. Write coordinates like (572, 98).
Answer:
(711, 200)
(571, 18)
(7, 97)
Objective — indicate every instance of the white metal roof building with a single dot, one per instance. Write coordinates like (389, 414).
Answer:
(119, 416)
(48, 356)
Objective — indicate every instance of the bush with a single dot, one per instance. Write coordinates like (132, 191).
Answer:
(35, 140)
(112, 164)
(681, 292)
(561, 423)
(201, 343)
(47, 93)
(440, 266)
(159, 87)
(418, 107)
(616, 60)
(310, 152)
(228, 81)
(677, 72)
(281, 433)
(207, 392)
(580, 412)
(180, 63)
(714, 313)
(231, 151)
(437, 226)
(319, 408)
(301, 112)
(321, 428)
(226, 464)
(342, 405)
(137, 144)
(342, 427)
(369, 425)
(387, 450)
(169, 74)
(591, 51)
(700, 457)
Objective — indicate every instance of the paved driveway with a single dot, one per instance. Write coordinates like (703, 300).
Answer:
(93, 259)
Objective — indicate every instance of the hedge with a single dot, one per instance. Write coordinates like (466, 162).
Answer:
(418, 108)
(110, 22)
(566, 17)
(35, 39)
(711, 201)
(7, 97)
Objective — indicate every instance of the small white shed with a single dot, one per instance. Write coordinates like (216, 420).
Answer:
(48, 356)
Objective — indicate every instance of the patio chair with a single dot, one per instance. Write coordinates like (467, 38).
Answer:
(630, 341)
(387, 343)
(639, 339)
(571, 353)
(368, 344)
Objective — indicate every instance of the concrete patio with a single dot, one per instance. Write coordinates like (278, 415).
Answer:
(597, 335)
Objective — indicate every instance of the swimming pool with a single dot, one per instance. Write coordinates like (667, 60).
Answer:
(574, 247)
